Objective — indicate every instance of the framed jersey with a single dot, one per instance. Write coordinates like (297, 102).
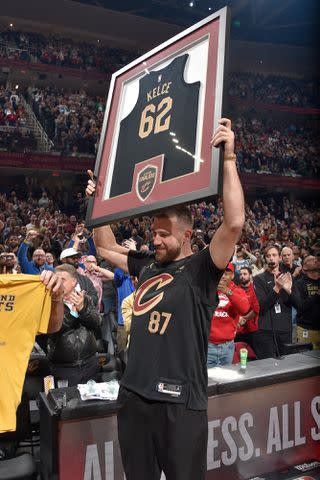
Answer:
(161, 111)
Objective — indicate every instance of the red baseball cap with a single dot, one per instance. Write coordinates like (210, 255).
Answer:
(230, 266)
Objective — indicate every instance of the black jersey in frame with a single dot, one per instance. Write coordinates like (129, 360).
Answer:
(166, 105)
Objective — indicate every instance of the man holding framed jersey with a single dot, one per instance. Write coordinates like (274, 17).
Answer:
(162, 421)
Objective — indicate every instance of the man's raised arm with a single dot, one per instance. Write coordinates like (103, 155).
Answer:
(104, 239)
(223, 242)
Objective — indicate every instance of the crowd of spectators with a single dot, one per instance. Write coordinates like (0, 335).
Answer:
(35, 236)
(275, 89)
(278, 221)
(14, 136)
(60, 51)
(73, 121)
(267, 146)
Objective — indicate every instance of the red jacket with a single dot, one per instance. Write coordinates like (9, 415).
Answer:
(252, 324)
(226, 316)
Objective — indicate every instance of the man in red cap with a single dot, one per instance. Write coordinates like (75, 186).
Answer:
(233, 302)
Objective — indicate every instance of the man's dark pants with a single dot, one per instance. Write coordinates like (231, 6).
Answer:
(161, 436)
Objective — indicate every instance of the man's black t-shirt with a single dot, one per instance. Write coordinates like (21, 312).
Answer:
(173, 308)
(284, 268)
(166, 112)
(308, 311)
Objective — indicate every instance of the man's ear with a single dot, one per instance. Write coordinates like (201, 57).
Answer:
(188, 235)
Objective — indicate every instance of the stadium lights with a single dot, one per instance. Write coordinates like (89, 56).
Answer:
(11, 25)
(191, 4)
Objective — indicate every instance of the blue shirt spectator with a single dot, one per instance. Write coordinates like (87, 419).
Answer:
(38, 262)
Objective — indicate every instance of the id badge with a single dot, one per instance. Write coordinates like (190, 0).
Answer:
(277, 308)
(305, 334)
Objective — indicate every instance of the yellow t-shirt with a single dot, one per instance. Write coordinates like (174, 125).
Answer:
(25, 306)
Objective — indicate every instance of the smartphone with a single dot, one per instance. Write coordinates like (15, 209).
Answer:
(77, 288)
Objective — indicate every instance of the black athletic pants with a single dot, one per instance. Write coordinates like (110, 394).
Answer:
(156, 436)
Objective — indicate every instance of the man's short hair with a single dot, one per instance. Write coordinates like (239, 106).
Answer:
(182, 212)
(66, 267)
(306, 259)
(247, 268)
(266, 250)
(285, 246)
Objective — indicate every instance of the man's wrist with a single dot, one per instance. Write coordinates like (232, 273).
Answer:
(56, 300)
(230, 157)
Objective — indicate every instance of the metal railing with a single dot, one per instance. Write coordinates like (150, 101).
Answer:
(45, 144)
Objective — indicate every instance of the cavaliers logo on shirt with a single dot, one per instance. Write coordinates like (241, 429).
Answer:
(153, 285)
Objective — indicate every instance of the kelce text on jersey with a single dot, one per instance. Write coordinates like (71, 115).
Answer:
(161, 89)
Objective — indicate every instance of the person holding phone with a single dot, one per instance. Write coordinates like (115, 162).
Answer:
(72, 351)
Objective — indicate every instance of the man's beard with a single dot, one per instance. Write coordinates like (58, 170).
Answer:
(244, 283)
(167, 256)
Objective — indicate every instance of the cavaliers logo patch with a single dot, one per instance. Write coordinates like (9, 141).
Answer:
(156, 283)
(146, 181)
